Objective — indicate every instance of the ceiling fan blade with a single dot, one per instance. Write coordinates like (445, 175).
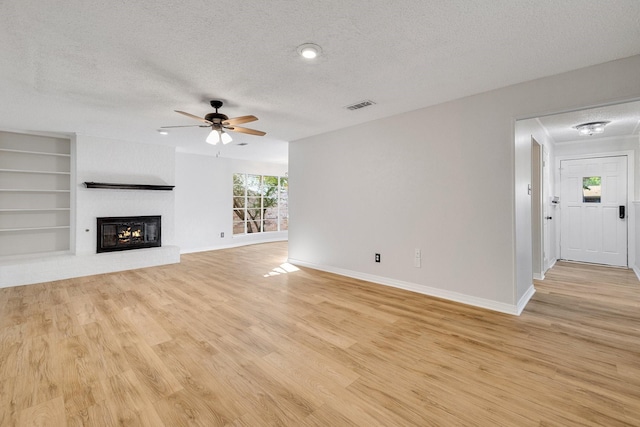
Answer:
(186, 126)
(194, 117)
(240, 120)
(246, 130)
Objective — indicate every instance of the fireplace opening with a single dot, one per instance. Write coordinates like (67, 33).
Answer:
(128, 232)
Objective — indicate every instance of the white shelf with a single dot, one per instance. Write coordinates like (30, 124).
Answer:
(39, 153)
(37, 172)
(16, 190)
(58, 227)
(35, 194)
(35, 210)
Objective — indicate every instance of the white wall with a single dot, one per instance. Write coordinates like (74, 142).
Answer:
(443, 179)
(204, 201)
(104, 160)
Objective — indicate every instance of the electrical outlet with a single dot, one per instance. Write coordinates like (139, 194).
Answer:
(377, 257)
(417, 258)
(222, 234)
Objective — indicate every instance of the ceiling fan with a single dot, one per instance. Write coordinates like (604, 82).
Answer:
(220, 123)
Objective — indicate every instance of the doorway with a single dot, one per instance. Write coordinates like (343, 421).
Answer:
(538, 231)
(594, 210)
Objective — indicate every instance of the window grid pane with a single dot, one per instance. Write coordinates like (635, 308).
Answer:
(260, 203)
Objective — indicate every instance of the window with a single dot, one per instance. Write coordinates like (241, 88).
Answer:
(591, 189)
(260, 203)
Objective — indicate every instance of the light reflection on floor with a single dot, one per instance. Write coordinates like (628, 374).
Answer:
(284, 268)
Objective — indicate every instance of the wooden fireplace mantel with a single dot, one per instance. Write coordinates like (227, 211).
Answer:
(112, 186)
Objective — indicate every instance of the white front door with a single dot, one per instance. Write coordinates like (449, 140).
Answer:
(593, 203)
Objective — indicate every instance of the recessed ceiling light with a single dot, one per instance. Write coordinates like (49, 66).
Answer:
(309, 50)
(163, 132)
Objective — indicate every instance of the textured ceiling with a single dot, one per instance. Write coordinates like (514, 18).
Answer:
(118, 69)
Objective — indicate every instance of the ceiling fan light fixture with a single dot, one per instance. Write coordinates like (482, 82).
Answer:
(225, 138)
(220, 124)
(309, 50)
(591, 128)
(213, 138)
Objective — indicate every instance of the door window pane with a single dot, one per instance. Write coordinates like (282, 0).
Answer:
(591, 189)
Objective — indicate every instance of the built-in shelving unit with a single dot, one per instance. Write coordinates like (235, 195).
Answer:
(35, 193)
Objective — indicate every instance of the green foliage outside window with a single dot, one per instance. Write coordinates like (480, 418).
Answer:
(589, 181)
(259, 203)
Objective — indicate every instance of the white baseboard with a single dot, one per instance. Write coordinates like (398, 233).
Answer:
(553, 262)
(525, 299)
(637, 271)
(235, 243)
(421, 289)
(538, 276)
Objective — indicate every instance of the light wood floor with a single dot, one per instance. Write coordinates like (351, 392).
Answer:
(231, 338)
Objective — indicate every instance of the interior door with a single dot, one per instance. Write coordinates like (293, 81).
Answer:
(593, 205)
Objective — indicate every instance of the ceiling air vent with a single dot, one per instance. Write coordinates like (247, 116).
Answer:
(359, 105)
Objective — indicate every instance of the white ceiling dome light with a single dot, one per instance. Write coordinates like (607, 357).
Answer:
(309, 51)
(591, 128)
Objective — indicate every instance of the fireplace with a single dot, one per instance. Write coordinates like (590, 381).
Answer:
(128, 232)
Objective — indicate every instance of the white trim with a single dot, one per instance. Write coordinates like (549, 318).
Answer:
(637, 271)
(237, 243)
(553, 262)
(538, 276)
(524, 300)
(421, 289)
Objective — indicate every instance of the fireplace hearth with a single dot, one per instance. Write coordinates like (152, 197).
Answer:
(128, 232)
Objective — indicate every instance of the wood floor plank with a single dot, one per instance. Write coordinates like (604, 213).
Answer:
(13, 350)
(48, 413)
(200, 383)
(9, 410)
(105, 350)
(236, 337)
(65, 321)
(146, 325)
(127, 403)
(42, 373)
(153, 374)
(80, 380)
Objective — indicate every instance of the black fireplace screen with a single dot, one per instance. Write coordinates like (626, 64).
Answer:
(131, 232)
